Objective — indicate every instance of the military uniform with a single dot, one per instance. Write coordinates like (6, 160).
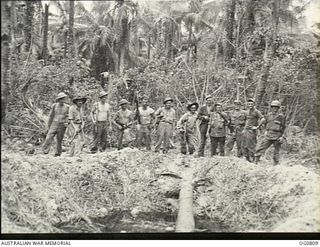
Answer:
(123, 118)
(203, 116)
(102, 111)
(237, 122)
(217, 132)
(144, 130)
(275, 125)
(249, 140)
(58, 122)
(76, 116)
(188, 136)
(165, 128)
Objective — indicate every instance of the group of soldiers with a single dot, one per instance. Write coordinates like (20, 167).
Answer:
(239, 126)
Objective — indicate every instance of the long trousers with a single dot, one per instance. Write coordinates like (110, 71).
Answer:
(78, 142)
(187, 142)
(124, 138)
(235, 137)
(100, 137)
(144, 135)
(203, 138)
(249, 142)
(217, 142)
(58, 130)
(165, 132)
(264, 143)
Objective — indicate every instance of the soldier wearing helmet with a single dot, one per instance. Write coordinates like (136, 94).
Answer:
(124, 120)
(237, 118)
(275, 126)
(166, 117)
(204, 117)
(57, 124)
(217, 129)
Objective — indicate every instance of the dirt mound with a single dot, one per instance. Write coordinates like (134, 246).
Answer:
(90, 193)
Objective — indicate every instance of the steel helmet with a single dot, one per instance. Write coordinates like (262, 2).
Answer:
(61, 95)
(123, 102)
(102, 94)
(275, 103)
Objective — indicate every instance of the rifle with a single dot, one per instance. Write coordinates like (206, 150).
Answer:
(75, 135)
(126, 126)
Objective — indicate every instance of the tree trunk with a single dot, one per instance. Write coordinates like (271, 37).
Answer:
(159, 38)
(123, 43)
(249, 18)
(229, 51)
(170, 40)
(189, 42)
(268, 56)
(5, 51)
(71, 30)
(45, 34)
(149, 45)
(28, 24)
(65, 46)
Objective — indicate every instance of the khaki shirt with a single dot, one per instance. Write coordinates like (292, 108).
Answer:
(275, 125)
(237, 118)
(76, 114)
(190, 120)
(167, 116)
(217, 124)
(58, 113)
(123, 117)
(252, 118)
(102, 111)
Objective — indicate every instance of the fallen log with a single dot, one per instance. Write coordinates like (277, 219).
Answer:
(185, 220)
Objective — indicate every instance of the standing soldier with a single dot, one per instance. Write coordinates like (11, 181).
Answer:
(237, 119)
(203, 116)
(124, 120)
(254, 120)
(57, 124)
(100, 116)
(275, 125)
(187, 128)
(217, 129)
(76, 118)
(146, 115)
(167, 117)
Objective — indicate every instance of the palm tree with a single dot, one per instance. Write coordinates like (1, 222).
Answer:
(230, 21)
(28, 26)
(71, 30)
(5, 53)
(45, 33)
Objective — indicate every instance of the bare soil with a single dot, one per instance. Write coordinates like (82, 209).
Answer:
(137, 191)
